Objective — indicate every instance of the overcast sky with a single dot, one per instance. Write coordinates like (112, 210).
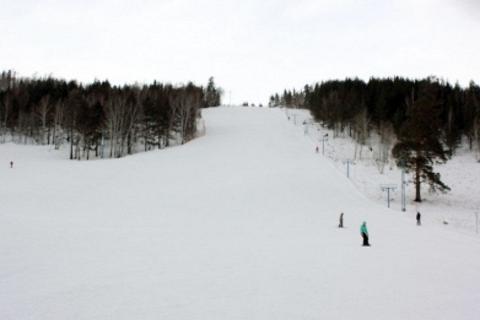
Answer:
(252, 47)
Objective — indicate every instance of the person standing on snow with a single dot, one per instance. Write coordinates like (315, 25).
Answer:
(11, 164)
(364, 233)
(340, 225)
(419, 218)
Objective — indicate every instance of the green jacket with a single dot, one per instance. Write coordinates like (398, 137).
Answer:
(363, 229)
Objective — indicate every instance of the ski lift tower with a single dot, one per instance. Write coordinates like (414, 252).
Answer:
(323, 140)
(348, 162)
(388, 188)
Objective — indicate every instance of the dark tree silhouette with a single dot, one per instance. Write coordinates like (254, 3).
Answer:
(98, 117)
(420, 141)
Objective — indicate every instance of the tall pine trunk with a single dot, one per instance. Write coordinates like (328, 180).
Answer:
(418, 197)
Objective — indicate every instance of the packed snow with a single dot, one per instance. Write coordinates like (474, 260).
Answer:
(238, 224)
(458, 207)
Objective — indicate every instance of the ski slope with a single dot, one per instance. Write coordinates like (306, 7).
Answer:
(461, 173)
(238, 224)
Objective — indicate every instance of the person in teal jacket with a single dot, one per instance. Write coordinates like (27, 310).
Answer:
(364, 233)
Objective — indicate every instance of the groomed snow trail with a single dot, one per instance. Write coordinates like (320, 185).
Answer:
(238, 224)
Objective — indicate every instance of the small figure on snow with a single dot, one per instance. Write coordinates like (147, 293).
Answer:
(316, 149)
(364, 233)
(340, 225)
(419, 219)
(11, 164)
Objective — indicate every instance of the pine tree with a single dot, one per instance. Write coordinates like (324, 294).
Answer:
(212, 94)
(420, 146)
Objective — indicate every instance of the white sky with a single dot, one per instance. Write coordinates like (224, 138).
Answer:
(252, 48)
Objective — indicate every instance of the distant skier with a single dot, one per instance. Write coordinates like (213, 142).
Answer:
(11, 164)
(364, 233)
(340, 225)
(316, 149)
(419, 219)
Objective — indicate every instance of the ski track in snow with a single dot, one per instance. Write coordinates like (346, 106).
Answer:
(238, 224)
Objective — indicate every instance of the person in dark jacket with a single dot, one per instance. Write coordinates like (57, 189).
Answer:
(419, 219)
(364, 233)
(11, 164)
(340, 225)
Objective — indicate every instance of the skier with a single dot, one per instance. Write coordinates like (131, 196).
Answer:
(419, 217)
(11, 164)
(340, 225)
(316, 149)
(364, 232)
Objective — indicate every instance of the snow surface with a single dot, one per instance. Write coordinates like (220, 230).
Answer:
(238, 224)
(461, 173)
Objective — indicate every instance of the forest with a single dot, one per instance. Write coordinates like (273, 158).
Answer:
(100, 120)
(419, 122)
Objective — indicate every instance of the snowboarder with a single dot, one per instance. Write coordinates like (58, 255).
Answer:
(364, 232)
(419, 218)
(340, 225)
(11, 164)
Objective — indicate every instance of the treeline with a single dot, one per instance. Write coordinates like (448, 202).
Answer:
(360, 108)
(418, 122)
(100, 119)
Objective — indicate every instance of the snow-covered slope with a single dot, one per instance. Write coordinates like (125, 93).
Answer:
(458, 207)
(238, 224)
